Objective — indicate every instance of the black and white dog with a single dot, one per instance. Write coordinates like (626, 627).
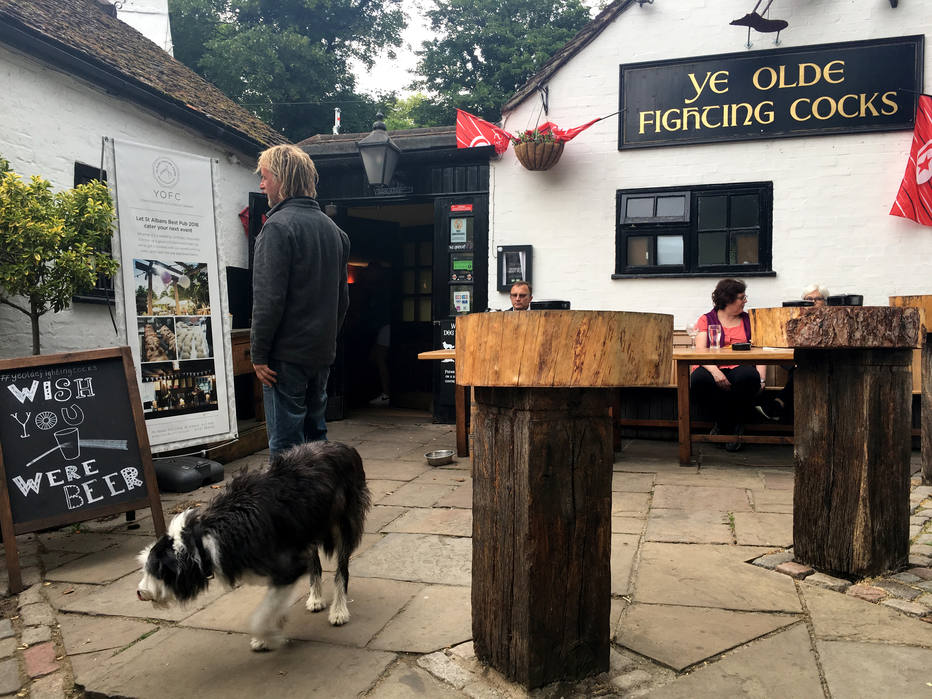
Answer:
(267, 524)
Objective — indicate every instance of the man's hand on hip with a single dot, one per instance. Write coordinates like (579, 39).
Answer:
(264, 374)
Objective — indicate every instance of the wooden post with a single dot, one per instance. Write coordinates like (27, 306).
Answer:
(923, 302)
(542, 532)
(542, 472)
(852, 401)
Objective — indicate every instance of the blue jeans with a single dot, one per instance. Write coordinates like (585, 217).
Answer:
(295, 406)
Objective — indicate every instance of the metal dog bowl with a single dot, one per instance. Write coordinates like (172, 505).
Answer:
(439, 457)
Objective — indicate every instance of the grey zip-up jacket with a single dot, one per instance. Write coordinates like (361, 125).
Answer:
(300, 294)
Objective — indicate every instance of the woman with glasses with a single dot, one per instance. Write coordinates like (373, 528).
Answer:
(727, 393)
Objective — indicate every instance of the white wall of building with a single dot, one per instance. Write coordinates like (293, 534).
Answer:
(832, 194)
(50, 121)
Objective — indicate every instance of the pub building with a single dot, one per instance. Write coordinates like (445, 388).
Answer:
(724, 152)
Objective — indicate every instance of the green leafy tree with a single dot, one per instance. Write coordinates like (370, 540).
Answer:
(288, 60)
(486, 49)
(52, 245)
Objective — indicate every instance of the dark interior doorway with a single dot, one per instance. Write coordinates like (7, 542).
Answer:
(391, 283)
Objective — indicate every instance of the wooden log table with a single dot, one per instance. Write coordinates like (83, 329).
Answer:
(924, 303)
(852, 398)
(542, 477)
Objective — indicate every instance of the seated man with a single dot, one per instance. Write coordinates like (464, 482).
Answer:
(520, 296)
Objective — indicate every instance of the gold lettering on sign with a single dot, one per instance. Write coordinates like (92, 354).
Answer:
(800, 75)
(717, 82)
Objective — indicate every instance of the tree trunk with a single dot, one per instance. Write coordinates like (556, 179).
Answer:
(852, 423)
(34, 315)
(541, 591)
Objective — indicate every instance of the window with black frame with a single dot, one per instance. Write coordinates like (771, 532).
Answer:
(103, 289)
(701, 230)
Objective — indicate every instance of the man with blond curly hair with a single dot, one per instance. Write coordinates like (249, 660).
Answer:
(300, 297)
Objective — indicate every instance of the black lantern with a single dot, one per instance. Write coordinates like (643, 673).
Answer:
(379, 154)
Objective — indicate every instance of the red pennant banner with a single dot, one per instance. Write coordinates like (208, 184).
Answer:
(914, 200)
(564, 135)
(471, 131)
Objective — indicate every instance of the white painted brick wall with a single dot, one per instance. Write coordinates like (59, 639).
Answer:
(50, 120)
(832, 194)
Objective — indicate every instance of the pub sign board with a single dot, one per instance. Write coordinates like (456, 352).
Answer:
(847, 87)
(73, 443)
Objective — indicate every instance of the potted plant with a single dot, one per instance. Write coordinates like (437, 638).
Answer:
(536, 149)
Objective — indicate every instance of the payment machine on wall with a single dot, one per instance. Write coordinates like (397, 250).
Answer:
(461, 253)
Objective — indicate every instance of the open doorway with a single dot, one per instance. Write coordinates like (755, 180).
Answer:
(390, 314)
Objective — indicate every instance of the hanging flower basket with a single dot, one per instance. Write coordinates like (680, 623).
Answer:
(539, 156)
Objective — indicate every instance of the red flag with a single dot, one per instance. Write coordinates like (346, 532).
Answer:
(564, 135)
(914, 200)
(471, 131)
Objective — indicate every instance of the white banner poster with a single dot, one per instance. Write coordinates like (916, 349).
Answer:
(171, 284)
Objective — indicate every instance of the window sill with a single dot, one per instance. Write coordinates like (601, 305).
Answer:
(102, 299)
(681, 275)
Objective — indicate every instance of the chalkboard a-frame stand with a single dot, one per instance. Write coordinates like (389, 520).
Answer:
(73, 444)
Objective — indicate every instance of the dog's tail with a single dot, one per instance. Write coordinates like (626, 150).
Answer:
(358, 502)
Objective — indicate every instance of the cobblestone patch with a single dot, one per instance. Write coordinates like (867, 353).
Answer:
(867, 592)
(794, 569)
(828, 582)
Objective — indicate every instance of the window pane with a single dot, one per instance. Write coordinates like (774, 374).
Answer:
(407, 309)
(425, 253)
(407, 254)
(640, 207)
(713, 248)
(671, 206)
(669, 250)
(407, 281)
(423, 308)
(745, 211)
(639, 250)
(746, 248)
(424, 277)
(712, 212)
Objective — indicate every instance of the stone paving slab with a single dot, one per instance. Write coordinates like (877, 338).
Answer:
(700, 497)
(854, 669)
(703, 575)
(688, 526)
(763, 529)
(627, 525)
(632, 482)
(680, 637)
(773, 500)
(714, 478)
(781, 665)
(630, 503)
(461, 497)
(426, 558)
(380, 488)
(102, 567)
(9, 676)
(186, 663)
(392, 469)
(89, 634)
(417, 494)
(404, 681)
(78, 542)
(380, 515)
(119, 599)
(444, 475)
(438, 616)
(451, 522)
(624, 549)
(836, 616)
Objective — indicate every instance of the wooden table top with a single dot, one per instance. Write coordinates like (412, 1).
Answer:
(727, 355)
(438, 354)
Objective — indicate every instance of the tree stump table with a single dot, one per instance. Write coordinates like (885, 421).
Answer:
(852, 399)
(542, 479)
(924, 303)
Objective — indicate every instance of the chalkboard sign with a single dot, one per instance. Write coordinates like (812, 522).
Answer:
(73, 444)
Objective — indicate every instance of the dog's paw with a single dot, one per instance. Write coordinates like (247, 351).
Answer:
(315, 604)
(266, 644)
(338, 617)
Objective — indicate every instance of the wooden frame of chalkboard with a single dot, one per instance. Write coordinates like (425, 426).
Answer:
(45, 479)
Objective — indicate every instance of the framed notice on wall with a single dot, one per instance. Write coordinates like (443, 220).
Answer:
(73, 444)
(514, 265)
